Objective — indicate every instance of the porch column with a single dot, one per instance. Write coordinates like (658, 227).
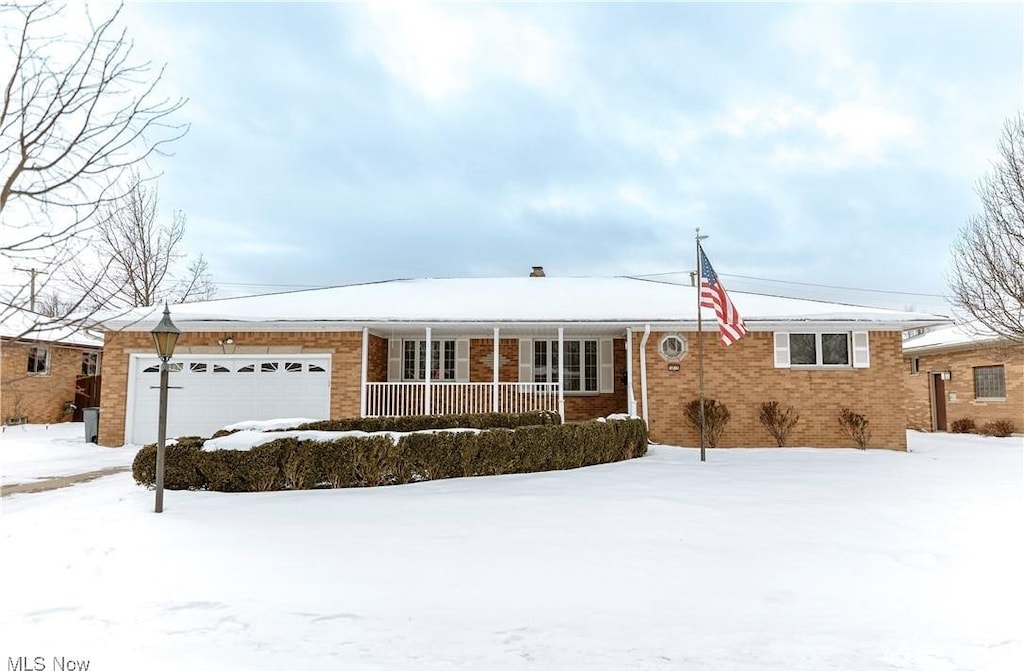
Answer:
(426, 378)
(362, 374)
(561, 373)
(497, 366)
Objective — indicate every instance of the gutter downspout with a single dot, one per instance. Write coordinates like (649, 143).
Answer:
(362, 374)
(643, 370)
(631, 398)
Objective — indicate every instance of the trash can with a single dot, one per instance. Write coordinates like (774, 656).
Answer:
(91, 417)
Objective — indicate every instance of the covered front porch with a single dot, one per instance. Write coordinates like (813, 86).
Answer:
(418, 370)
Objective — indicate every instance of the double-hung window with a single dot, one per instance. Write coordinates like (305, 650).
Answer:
(39, 360)
(819, 349)
(442, 359)
(580, 366)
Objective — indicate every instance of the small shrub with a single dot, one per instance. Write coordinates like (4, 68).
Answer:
(716, 416)
(856, 427)
(963, 425)
(779, 422)
(1001, 428)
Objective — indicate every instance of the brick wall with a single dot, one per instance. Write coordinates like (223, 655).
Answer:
(345, 348)
(377, 360)
(481, 360)
(39, 398)
(961, 385)
(743, 376)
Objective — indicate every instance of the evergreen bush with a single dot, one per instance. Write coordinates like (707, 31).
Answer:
(349, 461)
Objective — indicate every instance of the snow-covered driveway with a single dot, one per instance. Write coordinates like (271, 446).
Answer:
(795, 560)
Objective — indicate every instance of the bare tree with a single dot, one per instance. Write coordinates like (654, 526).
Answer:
(139, 260)
(75, 116)
(987, 278)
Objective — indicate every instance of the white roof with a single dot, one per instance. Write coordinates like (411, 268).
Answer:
(504, 301)
(25, 325)
(954, 336)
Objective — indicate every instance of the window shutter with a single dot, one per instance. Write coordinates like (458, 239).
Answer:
(861, 352)
(606, 371)
(526, 361)
(781, 350)
(462, 360)
(394, 359)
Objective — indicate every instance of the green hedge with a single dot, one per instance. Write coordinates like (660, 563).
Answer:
(490, 420)
(289, 463)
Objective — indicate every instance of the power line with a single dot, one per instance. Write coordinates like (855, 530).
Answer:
(803, 284)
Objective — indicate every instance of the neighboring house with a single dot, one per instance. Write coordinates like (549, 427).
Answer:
(49, 369)
(962, 372)
(477, 345)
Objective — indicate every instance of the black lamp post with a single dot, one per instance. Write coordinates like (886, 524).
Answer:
(165, 335)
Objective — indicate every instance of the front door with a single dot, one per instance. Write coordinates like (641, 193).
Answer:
(939, 401)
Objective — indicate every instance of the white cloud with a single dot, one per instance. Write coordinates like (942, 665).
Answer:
(442, 51)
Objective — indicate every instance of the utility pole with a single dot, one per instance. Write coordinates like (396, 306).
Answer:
(32, 287)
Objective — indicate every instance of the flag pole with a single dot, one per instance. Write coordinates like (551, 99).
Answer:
(700, 350)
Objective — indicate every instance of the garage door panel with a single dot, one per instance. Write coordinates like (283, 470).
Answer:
(210, 392)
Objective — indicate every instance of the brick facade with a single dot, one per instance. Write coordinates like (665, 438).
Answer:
(959, 389)
(39, 398)
(743, 376)
(345, 348)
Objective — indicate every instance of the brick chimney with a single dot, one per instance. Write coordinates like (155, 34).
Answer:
(538, 271)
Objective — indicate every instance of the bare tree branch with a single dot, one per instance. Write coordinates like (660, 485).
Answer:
(987, 276)
(77, 117)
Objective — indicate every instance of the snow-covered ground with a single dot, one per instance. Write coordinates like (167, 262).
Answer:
(36, 451)
(795, 560)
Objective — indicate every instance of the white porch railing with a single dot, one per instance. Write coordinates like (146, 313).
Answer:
(449, 398)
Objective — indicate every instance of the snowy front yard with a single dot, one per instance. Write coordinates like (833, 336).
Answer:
(795, 560)
(36, 451)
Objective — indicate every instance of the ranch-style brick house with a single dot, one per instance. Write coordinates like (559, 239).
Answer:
(583, 347)
(45, 364)
(962, 372)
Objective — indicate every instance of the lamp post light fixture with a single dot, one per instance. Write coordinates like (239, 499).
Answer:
(165, 336)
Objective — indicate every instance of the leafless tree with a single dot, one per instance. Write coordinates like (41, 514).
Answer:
(76, 115)
(139, 260)
(987, 278)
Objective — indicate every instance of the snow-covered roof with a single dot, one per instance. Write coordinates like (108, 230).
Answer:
(520, 300)
(29, 326)
(954, 336)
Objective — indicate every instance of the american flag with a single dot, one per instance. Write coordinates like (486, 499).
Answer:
(712, 295)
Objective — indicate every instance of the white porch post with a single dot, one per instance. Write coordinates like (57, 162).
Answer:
(630, 398)
(426, 378)
(561, 373)
(497, 366)
(362, 374)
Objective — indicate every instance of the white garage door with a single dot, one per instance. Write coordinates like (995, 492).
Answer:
(210, 392)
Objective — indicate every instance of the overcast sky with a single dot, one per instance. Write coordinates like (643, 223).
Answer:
(339, 143)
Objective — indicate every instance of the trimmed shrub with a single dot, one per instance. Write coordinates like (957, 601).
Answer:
(181, 465)
(351, 461)
(1001, 428)
(716, 416)
(490, 420)
(779, 422)
(856, 427)
(963, 425)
